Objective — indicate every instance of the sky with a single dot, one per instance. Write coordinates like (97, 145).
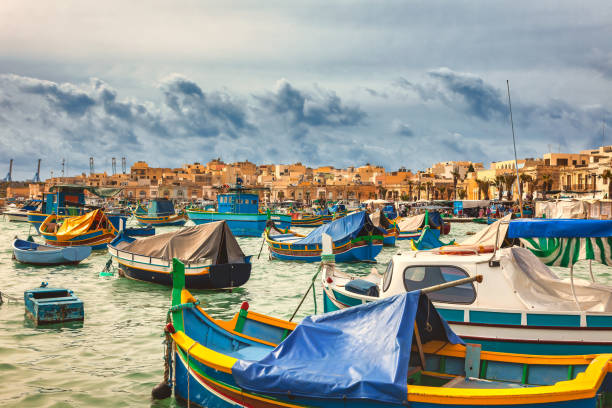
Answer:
(342, 83)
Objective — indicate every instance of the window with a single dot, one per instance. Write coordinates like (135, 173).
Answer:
(419, 277)
(387, 276)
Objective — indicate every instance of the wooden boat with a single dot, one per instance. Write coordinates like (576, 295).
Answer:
(380, 220)
(355, 239)
(428, 240)
(521, 306)
(306, 221)
(214, 258)
(68, 200)
(487, 220)
(29, 252)
(160, 212)
(396, 352)
(20, 214)
(239, 207)
(92, 229)
(145, 231)
(412, 227)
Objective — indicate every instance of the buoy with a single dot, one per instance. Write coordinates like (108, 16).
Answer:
(161, 391)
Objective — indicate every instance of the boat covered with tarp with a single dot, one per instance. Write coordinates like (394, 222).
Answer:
(412, 227)
(354, 238)
(159, 212)
(213, 257)
(33, 253)
(380, 220)
(92, 229)
(428, 240)
(395, 352)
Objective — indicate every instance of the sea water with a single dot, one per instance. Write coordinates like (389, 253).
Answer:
(115, 357)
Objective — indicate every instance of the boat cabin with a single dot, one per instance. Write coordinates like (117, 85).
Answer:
(238, 203)
(64, 200)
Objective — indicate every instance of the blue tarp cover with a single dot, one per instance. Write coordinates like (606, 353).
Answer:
(430, 239)
(559, 228)
(435, 219)
(161, 207)
(338, 229)
(362, 352)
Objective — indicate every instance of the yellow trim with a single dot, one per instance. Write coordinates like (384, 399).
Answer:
(205, 271)
(203, 354)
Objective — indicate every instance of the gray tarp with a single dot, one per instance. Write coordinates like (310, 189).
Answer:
(411, 223)
(489, 234)
(379, 220)
(207, 243)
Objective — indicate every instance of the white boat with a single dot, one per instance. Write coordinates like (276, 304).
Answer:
(521, 306)
(20, 214)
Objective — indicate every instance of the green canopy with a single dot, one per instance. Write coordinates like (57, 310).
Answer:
(102, 192)
(567, 251)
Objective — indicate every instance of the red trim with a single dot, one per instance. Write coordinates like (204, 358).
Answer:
(516, 326)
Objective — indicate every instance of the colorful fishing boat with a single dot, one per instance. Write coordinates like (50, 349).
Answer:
(412, 227)
(306, 221)
(380, 220)
(520, 307)
(92, 229)
(396, 352)
(20, 214)
(487, 220)
(428, 240)
(145, 231)
(68, 200)
(214, 258)
(159, 213)
(32, 253)
(355, 239)
(239, 207)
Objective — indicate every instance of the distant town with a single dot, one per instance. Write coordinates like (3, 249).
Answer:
(586, 174)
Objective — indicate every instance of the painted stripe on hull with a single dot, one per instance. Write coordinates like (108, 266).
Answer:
(361, 253)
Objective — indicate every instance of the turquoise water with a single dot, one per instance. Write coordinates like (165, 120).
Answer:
(114, 358)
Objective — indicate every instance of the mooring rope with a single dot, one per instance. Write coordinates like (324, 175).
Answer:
(9, 297)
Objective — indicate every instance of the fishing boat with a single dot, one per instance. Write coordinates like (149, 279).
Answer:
(380, 220)
(412, 227)
(395, 352)
(520, 307)
(20, 214)
(487, 220)
(32, 253)
(145, 231)
(306, 221)
(67, 200)
(92, 229)
(239, 207)
(355, 239)
(212, 254)
(428, 240)
(159, 212)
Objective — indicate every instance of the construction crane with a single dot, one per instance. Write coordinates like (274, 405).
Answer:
(9, 176)
(114, 166)
(63, 165)
(37, 175)
(123, 165)
(91, 166)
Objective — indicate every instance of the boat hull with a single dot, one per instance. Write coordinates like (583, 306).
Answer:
(360, 251)
(37, 218)
(164, 221)
(49, 256)
(96, 240)
(16, 216)
(242, 225)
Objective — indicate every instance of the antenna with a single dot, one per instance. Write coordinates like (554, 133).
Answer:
(518, 182)
(91, 166)
(123, 165)
(63, 166)
(114, 165)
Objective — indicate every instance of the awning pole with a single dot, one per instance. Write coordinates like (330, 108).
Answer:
(419, 344)
(573, 289)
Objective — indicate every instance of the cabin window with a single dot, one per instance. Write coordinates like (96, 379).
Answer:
(419, 277)
(387, 276)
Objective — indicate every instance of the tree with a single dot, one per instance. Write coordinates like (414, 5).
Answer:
(547, 182)
(456, 176)
(509, 180)
(471, 168)
(461, 193)
(483, 187)
(499, 183)
(382, 192)
(410, 184)
(607, 178)
(525, 179)
(428, 184)
(421, 188)
(442, 190)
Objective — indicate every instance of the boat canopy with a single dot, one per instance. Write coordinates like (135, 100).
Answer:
(76, 226)
(574, 209)
(350, 226)
(380, 220)
(492, 235)
(211, 243)
(98, 191)
(362, 352)
(539, 288)
(411, 223)
(559, 228)
(161, 207)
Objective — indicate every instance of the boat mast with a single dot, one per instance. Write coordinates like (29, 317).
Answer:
(518, 182)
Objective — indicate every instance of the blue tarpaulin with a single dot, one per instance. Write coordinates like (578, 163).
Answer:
(161, 207)
(363, 352)
(559, 228)
(349, 226)
(430, 239)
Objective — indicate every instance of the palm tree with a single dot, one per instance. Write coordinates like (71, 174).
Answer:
(456, 176)
(525, 179)
(546, 184)
(421, 188)
(483, 186)
(509, 180)
(607, 178)
(461, 193)
(410, 184)
(442, 191)
(428, 184)
(499, 183)
(383, 192)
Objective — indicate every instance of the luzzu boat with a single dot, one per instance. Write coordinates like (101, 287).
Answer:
(239, 207)
(412, 227)
(68, 200)
(306, 221)
(396, 352)
(20, 214)
(214, 258)
(428, 240)
(160, 212)
(355, 239)
(380, 220)
(92, 229)
(521, 306)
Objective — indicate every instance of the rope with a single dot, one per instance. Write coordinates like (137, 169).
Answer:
(9, 297)
(168, 354)
(188, 371)
(183, 306)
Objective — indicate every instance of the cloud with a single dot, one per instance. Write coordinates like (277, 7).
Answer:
(402, 129)
(601, 61)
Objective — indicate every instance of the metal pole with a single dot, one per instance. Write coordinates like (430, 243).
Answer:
(518, 182)
(458, 282)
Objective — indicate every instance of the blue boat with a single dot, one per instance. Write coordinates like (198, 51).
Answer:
(159, 212)
(239, 207)
(29, 252)
(52, 305)
(397, 352)
(391, 229)
(355, 239)
(145, 231)
(428, 240)
(68, 200)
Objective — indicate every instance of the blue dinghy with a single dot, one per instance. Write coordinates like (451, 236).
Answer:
(38, 254)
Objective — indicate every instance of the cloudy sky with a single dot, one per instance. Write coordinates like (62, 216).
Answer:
(394, 83)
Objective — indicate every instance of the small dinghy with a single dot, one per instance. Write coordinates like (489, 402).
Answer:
(29, 252)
